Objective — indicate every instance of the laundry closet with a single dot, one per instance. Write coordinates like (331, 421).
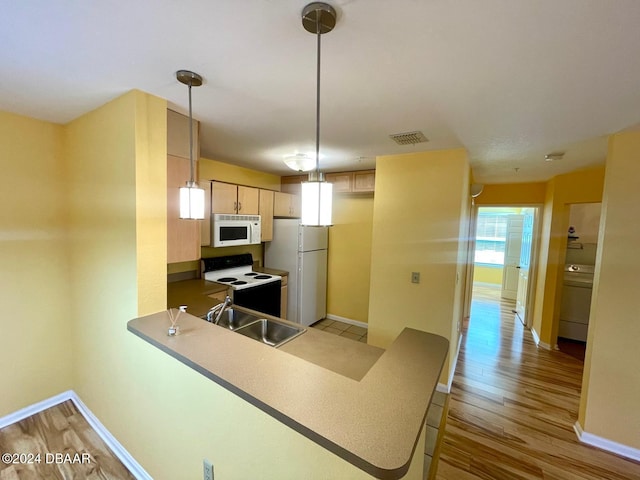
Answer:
(580, 259)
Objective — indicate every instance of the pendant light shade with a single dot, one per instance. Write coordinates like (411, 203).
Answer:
(316, 203)
(317, 18)
(192, 202)
(191, 197)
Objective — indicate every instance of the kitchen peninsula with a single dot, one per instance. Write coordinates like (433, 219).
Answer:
(372, 418)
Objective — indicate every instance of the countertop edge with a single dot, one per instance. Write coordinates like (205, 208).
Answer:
(377, 471)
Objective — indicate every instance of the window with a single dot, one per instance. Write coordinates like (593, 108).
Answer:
(491, 236)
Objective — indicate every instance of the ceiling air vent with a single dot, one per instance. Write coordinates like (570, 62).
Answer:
(408, 138)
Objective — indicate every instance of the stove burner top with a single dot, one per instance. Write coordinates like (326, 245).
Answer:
(235, 272)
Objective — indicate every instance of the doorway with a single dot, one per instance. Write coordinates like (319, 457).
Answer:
(502, 255)
(579, 266)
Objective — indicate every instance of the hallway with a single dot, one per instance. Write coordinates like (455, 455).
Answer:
(513, 406)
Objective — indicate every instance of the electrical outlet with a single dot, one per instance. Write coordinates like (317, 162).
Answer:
(415, 277)
(208, 470)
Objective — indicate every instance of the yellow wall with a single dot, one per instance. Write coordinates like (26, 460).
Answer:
(349, 263)
(420, 224)
(578, 187)
(611, 380)
(36, 340)
(512, 194)
(485, 274)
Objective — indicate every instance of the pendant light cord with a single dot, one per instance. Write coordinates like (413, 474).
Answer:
(191, 178)
(318, 98)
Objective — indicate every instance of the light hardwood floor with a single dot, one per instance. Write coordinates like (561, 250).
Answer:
(54, 433)
(513, 406)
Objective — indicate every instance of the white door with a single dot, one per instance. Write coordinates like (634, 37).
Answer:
(513, 244)
(525, 261)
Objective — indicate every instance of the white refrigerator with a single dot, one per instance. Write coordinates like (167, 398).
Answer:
(302, 251)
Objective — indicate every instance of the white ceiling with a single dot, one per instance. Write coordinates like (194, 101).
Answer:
(509, 80)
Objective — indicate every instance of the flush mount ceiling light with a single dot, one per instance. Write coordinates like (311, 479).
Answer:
(300, 162)
(551, 157)
(191, 197)
(317, 18)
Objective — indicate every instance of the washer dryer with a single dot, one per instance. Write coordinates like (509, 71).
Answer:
(576, 301)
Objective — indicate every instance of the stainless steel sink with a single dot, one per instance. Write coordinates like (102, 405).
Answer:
(235, 319)
(271, 332)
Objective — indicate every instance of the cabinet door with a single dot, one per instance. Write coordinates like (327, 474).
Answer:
(286, 205)
(281, 204)
(224, 197)
(266, 215)
(364, 181)
(248, 200)
(342, 182)
(183, 236)
(296, 206)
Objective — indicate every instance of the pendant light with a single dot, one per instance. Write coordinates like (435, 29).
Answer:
(191, 197)
(317, 18)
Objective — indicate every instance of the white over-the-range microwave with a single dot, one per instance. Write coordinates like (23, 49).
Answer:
(228, 230)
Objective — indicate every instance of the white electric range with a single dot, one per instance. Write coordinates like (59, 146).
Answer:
(254, 290)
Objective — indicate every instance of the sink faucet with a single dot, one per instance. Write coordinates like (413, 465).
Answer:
(218, 310)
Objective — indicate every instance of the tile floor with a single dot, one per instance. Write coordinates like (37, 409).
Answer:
(347, 330)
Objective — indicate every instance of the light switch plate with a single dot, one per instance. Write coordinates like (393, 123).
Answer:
(208, 469)
(415, 277)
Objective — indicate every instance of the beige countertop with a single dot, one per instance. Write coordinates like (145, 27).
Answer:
(373, 403)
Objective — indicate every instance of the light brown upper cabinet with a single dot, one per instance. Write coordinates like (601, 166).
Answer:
(266, 215)
(342, 182)
(183, 236)
(230, 198)
(363, 181)
(286, 205)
